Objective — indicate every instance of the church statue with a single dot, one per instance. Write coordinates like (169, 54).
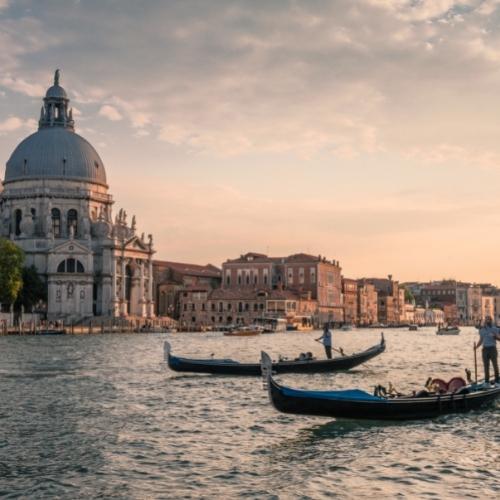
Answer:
(56, 77)
(134, 224)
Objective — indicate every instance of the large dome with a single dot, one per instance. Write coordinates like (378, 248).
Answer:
(55, 153)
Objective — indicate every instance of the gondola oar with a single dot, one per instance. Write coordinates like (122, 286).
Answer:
(341, 351)
(475, 362)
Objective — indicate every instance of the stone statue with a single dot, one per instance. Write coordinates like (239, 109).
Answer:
(85, 227)
(150, 237)
(134, 224)
(56, 77)
(72, 232)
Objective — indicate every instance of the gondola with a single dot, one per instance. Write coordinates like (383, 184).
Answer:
(358, 404)
(231, 367)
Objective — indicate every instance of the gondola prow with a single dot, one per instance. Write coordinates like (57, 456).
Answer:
(166, 350)
(266, 368)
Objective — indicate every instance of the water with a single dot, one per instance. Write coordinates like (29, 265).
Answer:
(102, 416)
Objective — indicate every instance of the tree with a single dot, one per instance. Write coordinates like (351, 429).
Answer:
(11, 264)
(409, 298)
(32, 291)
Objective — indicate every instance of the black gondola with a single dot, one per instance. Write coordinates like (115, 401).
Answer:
(357, 404)
(231, 367)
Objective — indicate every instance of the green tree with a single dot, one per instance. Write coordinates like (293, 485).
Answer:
(32, 291)
(11, 265)
(409, 298)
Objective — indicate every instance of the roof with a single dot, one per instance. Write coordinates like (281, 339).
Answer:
(55, 153)
(207, 270)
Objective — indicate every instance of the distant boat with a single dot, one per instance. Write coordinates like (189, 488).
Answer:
(448, 330)
(300, 323)
(245, 331)
(413, 328)
(346, 327)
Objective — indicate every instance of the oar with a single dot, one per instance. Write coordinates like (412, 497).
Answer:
(475, 362)
(333, 348)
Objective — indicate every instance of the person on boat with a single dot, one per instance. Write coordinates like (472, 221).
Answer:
(488, 335)
(326, 340)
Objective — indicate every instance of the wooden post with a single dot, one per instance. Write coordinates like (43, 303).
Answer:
(90, 327)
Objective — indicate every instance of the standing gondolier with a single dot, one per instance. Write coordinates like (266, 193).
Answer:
(489, 334)
(326, 340)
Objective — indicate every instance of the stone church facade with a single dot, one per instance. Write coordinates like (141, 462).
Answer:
(55, 205)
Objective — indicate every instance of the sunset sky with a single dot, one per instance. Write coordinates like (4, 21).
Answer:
(363, 130)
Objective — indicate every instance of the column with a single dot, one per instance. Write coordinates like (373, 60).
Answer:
(123, 298)
(150, 298)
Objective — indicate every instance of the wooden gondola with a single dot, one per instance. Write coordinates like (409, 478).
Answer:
(231, 367)
(358, 404)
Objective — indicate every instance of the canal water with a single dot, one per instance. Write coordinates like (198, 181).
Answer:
(102, 417)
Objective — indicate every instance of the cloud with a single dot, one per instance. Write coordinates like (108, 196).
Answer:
(16, 84)
(110, 112)
(14, 123)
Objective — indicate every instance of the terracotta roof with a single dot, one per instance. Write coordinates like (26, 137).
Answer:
(190, 269)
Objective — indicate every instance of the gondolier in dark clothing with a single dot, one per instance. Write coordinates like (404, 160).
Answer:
(489, 335)
(326, 340)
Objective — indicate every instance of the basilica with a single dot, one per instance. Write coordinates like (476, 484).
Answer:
(56, 206)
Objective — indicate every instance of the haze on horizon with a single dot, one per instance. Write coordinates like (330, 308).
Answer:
(363, 130)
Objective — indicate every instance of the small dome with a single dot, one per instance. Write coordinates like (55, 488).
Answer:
(57, 92)
(55, 153)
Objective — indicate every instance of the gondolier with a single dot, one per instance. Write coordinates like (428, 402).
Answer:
(489, 334)
(326, 340)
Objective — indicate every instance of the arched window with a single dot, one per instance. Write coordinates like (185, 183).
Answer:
(70, 266)
(18, 217)
(72, 221)
(56, 222)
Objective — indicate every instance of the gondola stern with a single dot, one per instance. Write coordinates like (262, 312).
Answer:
(167, 349)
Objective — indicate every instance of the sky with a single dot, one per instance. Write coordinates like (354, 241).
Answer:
(366, 131)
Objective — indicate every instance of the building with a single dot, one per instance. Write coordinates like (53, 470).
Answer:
(56, 206)
(350, 300)
(390, 300)
(367, 304)
(306, 275)
(172, 279)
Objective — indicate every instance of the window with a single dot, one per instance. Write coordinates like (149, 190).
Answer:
(329, 278)
(239, 277)
(18, 218)
(72, 221)
(247, 277)
(203, 306)
(240, 306)
(255, 307)
(255, 278)
(229, 306)
(290, 276)
(313, 275)
(193, 307)
(228, 279)
(247, 306)
(221, 306)
(301, 275)
(185, 307)
(213, 307)
(70, 266)
(56, 222)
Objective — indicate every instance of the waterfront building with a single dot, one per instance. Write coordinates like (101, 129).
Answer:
(390, 299)
(487, 307)
(171, 279)
(474, 304)
(367, 303)
(299, 273)
(350, 300)
(201, 308)
(56, 206)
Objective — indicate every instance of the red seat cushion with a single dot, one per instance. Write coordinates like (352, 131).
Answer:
(456, 383)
